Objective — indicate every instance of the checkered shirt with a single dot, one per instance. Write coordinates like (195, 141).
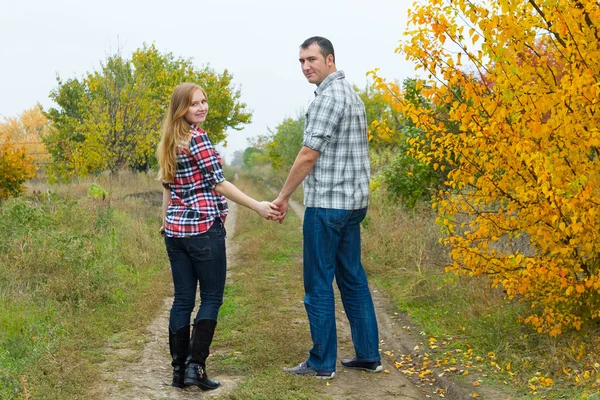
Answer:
(194, 203)
(336, 126)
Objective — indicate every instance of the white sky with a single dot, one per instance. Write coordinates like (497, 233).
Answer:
(257, 41)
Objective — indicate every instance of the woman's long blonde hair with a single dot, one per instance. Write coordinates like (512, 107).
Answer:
(175, 130)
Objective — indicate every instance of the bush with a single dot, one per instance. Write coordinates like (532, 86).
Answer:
(15, 169)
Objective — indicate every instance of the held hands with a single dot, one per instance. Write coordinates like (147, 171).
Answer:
(282, 205)
(268, 210)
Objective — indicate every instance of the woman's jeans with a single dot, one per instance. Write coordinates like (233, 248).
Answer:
(197, 259)
(332, 248)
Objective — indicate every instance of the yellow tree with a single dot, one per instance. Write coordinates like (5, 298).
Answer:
(26, 132)
(16, 167)
(520, 80)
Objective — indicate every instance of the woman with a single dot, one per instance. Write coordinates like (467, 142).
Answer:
(194, 211)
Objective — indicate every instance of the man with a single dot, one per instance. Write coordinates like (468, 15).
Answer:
(334, 165)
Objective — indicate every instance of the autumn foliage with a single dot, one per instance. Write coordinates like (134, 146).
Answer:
(21, 149)
(520, 141)
(16, 167)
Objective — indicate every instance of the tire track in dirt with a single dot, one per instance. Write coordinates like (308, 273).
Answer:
(146, 373)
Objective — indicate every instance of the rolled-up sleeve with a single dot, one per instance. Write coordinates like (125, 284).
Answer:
(207, 158)
(322, 120)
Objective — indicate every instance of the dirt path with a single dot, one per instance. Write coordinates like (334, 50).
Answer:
(146, 373)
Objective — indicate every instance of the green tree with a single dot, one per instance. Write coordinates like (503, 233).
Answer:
(250, 156)
(395, 168)
(111, 118)
(67, 121)
(285, 143)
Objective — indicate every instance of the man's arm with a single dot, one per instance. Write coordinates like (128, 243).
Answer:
(304, 162)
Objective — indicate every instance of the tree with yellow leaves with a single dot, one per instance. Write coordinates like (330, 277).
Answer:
(16, 167)
(26, 132)
(521, 143)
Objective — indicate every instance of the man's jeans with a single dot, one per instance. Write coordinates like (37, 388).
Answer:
(332, 248)
(197, 259)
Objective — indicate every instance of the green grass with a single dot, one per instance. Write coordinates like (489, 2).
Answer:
(262, 323)
(73, 272)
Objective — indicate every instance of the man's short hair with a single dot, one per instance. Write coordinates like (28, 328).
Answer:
(324, 45)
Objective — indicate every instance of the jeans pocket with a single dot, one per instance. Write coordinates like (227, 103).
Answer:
(336, 217)
(200, 249)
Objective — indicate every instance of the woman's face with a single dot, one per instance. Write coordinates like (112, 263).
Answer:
(196, 113)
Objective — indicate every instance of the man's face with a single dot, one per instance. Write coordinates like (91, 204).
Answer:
(314, 66)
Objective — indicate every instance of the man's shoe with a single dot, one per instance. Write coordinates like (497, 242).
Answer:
(372, 366)
(304, 369)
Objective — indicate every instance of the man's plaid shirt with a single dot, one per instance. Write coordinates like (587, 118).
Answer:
(336, 126)
(194, 203)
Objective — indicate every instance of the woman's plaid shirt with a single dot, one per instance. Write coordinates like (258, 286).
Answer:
(194, 203)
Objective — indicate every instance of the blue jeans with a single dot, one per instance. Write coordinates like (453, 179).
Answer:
(197, 259)
(332, 248)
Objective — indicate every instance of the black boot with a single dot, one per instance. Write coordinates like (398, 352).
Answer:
(179, 342)
(195, 373)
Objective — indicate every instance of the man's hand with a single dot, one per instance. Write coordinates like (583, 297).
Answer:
(268, 210)
(283, 208)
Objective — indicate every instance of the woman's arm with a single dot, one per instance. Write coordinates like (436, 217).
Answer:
(165, 204)
(263, 208)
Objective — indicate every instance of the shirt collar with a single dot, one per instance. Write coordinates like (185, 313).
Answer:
(196, 128)
(327, 81)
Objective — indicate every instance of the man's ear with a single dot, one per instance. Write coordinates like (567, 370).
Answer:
(329, 60)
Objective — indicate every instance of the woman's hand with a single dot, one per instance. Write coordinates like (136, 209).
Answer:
(162, 230)
(267, 210)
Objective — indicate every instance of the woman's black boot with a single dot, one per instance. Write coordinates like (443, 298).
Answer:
(179, 342)
(195, 373)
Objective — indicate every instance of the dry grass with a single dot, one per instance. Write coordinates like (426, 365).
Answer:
(404, 259)
(73, 271)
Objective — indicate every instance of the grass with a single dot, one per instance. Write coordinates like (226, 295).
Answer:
(74, 271)
(262, 323)
(478, 327)
(265, 175)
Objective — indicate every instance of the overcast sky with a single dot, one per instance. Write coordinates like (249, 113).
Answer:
(257, 41)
